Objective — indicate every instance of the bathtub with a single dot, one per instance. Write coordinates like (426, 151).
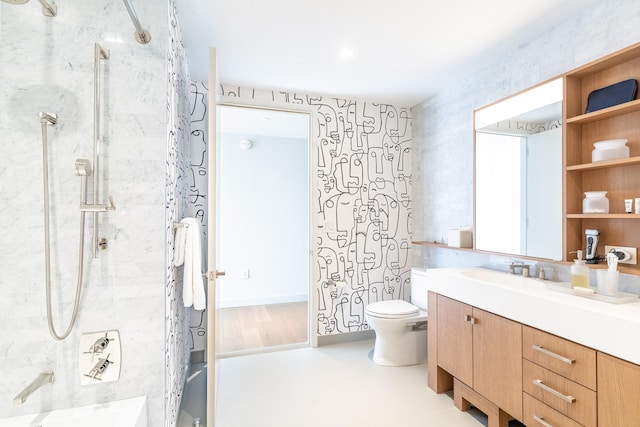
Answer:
(120, 413)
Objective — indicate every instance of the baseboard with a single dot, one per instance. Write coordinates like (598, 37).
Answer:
(280, 299)
(346, 337)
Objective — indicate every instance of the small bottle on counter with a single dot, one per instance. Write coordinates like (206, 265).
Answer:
(579, 272)
(637, 205)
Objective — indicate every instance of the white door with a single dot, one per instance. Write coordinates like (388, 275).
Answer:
(211, 245)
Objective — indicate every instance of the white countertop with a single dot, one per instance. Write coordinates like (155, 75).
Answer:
(610, 328)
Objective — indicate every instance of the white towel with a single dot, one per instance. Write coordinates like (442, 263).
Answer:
(178, 245)
(193, 282)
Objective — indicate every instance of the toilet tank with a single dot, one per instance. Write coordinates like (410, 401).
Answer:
(419, 287)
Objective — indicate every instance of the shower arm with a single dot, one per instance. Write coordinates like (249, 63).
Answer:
(48, 9)
(142, 36)
(96, 208)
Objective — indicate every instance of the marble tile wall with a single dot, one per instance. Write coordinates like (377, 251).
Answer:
(47, 64)
(443, 124)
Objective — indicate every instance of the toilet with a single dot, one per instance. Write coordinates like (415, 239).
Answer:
(401, 327)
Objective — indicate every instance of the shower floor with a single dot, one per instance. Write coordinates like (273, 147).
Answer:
(260, 326)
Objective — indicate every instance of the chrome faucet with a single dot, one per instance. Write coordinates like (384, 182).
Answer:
(43, 378)
(523, 267)
(541, 275)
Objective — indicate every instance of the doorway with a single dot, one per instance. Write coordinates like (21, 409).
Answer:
(263, 229)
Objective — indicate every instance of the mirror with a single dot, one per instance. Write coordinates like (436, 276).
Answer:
(518, 174)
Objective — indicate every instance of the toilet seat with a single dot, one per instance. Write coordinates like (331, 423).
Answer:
(392, 309)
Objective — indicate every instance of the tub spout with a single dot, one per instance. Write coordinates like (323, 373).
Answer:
(43, 378)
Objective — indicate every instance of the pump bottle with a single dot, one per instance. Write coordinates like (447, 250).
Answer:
(579, 272)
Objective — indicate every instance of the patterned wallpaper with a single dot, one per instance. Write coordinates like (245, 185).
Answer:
(177, 171)
(361, 200)
(197, 183)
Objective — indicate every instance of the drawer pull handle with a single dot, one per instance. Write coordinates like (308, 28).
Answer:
(470, 319)
(554, 355)
(540, 420)
(568, 399)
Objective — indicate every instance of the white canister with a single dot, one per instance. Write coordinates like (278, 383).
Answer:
(595, 202)
(610, 149)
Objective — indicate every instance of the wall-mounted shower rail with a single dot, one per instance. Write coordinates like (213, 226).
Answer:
(142, 36)
(100, 53)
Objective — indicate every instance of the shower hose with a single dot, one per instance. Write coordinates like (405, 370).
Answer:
(50, 119)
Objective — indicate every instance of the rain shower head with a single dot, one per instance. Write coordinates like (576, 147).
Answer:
(15, 1)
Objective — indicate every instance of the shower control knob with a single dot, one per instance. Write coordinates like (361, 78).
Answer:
(103, 244)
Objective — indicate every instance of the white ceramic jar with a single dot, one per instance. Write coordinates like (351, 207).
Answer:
(610, 150)
(595, 202)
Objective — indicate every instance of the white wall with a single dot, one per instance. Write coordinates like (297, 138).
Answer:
(263, 220)
(443, 124)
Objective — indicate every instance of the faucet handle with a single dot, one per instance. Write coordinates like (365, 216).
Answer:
(541, 275)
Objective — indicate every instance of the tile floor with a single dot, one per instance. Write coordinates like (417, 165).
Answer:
(337, 386)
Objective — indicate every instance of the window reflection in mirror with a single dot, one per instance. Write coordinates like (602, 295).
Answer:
(518, 182)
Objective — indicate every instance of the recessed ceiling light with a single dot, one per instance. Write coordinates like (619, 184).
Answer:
(346, 53)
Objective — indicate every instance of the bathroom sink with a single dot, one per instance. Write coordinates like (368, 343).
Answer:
(502, 279)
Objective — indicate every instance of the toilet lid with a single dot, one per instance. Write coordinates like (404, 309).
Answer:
(392, 309)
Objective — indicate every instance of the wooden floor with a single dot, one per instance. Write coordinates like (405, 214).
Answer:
(258, 326)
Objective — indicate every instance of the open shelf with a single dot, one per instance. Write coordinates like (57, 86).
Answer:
(441, 245)
(620, 177)
(605, 164)
(605, 113)
(604, 216)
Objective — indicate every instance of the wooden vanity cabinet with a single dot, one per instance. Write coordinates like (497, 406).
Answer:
(618, 392)
(455, 338)
(481, 350)
(511, 370)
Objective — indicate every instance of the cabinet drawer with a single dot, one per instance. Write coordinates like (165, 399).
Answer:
(571, 360)
(537, 414)
(565, 396)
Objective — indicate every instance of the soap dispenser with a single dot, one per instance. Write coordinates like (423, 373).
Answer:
(579, 272)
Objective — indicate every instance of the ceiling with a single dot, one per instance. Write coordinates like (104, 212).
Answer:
(257, 121)
(398, 51)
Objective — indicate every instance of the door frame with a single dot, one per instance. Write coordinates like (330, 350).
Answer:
(212, 362)
(312, 339)
(212, 371)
